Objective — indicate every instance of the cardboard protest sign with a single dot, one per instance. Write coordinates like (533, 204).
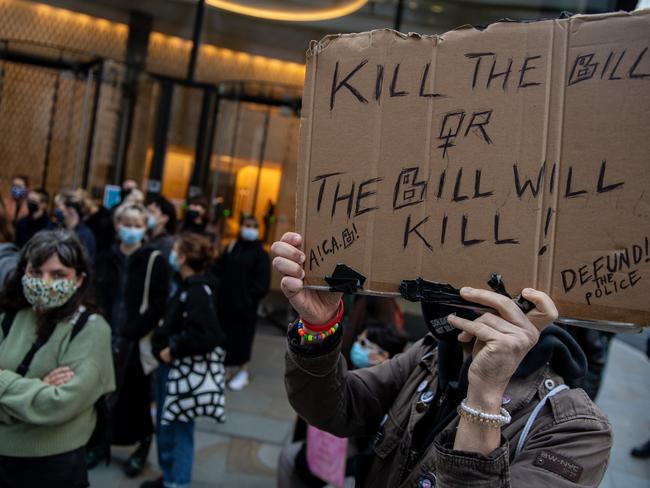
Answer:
(522, 149)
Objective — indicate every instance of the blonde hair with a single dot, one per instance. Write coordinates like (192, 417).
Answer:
(129, 209)
(135, 197)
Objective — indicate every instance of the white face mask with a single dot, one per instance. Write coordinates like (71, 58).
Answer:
(249, 233)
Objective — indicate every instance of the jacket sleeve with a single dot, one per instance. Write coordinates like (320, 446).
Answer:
(160, 336)
(144, 323)
(344, 403)
(261, 278)
(31, 401)
(201, 332)
(570, 453)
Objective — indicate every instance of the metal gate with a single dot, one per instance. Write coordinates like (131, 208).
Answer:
(48, 114)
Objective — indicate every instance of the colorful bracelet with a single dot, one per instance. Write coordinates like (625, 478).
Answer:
(330, 324)
(315, 337)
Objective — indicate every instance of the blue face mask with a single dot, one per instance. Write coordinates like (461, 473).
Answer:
(59, 215)
(151, 222)
(173, 261)
(359, 356)
(131, 235)
(249, 234)
(18, 192)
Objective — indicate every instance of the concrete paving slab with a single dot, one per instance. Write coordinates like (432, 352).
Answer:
(250, 426)
(625, 398)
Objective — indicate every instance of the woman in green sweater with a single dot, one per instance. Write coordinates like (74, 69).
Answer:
(47, 402)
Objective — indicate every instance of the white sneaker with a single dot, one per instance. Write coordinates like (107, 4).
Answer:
(239, 381)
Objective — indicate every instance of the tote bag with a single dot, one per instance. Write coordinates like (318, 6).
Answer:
(196, 388)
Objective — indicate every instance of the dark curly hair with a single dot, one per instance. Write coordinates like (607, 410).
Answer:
(197, 249)
(37, 251)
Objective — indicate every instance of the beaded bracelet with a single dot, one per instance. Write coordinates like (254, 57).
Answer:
(489, 419)
(330, 324)
(316, 337)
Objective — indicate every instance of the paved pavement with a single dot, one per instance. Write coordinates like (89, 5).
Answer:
(625, 398)
(243, 452)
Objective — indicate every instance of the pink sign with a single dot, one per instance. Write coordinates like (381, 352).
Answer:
(326, 456)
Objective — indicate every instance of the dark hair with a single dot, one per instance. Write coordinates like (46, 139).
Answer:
(42, 192)
(23, 177)
(73, 199)
(198, 251)
(166, 208)
(199, 200)
(6, 230)
(247, 216)
(388, 337)
(37, 251)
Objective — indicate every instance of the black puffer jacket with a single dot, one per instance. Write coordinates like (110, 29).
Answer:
(190, 326)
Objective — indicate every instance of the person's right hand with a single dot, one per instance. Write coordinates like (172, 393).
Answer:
(59, 376)
(314, 306)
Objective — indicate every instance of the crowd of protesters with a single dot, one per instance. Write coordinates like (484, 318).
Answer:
(107, 312)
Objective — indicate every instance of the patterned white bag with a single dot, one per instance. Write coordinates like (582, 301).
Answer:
(196, 388)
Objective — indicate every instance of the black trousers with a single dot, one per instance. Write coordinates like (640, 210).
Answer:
(67, 470)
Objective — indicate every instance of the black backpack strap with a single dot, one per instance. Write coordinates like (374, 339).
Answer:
(27, 360)
(40, 342)
(7, 322)
(79, 324)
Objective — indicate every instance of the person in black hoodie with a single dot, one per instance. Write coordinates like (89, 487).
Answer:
(69, 212)
(37, 218)
(133, 286)
(100, 222)
(190, 328)
(161, 225)
(196, 215)
(244, 276)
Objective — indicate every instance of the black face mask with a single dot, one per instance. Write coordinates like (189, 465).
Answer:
(123, 194)
(191, 215)
(435, 315)
(32, 207)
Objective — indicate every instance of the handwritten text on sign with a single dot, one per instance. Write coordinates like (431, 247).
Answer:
(516, 149)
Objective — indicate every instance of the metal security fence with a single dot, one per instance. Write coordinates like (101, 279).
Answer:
(48, 106)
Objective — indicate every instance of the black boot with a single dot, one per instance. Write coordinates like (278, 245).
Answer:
(96, 455)
(137, 461)
(642, 451)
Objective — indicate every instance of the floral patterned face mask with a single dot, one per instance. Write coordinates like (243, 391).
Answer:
(47, 294)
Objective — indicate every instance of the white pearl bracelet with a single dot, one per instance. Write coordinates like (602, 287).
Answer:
(491, 419)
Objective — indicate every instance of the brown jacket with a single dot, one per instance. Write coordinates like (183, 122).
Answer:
(568, 445)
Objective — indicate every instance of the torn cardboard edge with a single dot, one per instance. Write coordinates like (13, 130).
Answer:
(317, 47)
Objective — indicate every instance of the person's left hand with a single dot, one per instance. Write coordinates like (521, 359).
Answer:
(59, 376)
(503, 340)
(166, 355)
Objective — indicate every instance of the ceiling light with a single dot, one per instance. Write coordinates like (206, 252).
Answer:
(292, 14)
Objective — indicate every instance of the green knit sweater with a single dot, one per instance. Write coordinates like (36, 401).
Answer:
(41, 420)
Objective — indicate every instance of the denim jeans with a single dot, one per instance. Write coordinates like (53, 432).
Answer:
(175, 440)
